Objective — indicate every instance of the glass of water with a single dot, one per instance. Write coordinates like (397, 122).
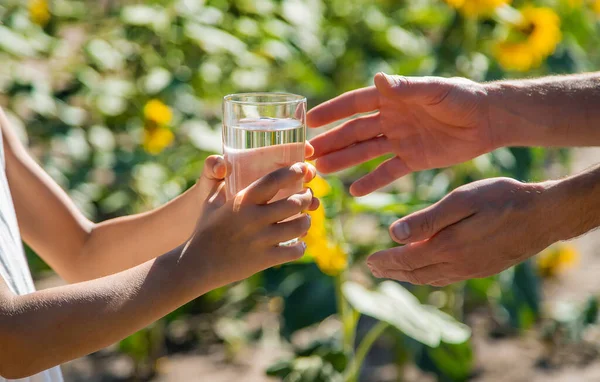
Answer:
(261, 133)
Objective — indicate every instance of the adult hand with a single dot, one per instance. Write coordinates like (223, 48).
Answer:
(477, 230)
(426, 122)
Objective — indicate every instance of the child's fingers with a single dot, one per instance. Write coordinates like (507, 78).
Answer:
(310, 174)
(288, 230)
(284, 254)
(265, 188)
(290, 206)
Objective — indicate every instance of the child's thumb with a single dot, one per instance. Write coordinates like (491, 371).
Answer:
(214, 169)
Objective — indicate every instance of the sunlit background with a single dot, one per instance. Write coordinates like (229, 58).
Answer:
(120, 101)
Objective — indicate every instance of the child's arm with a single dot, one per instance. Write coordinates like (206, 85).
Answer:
(77, 248)
(232, 241)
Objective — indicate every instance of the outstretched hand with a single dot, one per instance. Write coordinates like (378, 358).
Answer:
(478, 230)
(425, 122)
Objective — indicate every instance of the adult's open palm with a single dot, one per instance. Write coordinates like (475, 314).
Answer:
(425, 122)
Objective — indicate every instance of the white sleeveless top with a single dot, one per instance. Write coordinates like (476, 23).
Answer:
(13, 265)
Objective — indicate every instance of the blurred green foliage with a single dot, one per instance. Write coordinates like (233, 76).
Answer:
(77, 75)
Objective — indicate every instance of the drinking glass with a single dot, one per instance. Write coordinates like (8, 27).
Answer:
(261, 133)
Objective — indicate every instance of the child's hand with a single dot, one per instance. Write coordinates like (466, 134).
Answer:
(215, 171)
(240, 237)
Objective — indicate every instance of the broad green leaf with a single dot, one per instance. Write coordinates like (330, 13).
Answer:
(401, 313)
(15, 43)
(452, 331)
(397, 306)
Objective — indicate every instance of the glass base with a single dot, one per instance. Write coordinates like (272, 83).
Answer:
(288, 243)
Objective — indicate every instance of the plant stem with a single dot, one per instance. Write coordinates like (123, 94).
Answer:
(346, 316)
(363, 349)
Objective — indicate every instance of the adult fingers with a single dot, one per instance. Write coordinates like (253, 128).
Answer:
(346, 105)
(353, 155)
(407, 258)
(351, 132)
(426, 275)
(384, 174)
(309, 150)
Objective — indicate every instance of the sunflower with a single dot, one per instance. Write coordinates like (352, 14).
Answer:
(530, 41)
(39, 11)
(476, 8)
(556, 259)
(159, 113)
(157, 136)
(596, 7)
(328, 255)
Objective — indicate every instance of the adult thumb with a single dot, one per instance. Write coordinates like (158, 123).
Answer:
(426, 223)
(418, 90)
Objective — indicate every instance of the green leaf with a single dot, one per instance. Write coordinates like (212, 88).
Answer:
(157, 80)
(143, 15)
(214, 40)
(590, 312)
(280, 369)
(397, 306)
(15, 43)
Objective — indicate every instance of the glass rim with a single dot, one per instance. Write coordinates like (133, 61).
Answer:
(292, 98)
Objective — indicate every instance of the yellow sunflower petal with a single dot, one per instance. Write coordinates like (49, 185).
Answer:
(540, 34)
(157, 139)
(476, 8)
(157, 112)
(39, 11)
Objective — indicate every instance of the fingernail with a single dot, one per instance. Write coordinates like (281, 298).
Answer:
(401, 231)
(391, 80)
(303, 246)
(309, 220)
(299, 167)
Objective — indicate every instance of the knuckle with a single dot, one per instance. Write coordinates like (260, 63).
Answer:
(464, 197)
(414, 278)
(385, 274)
(296, 252)
(426, 224)
(296, 202)
(297, 169)
(401, 262)
(305, 223)
(273, 178)
(297, 226)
